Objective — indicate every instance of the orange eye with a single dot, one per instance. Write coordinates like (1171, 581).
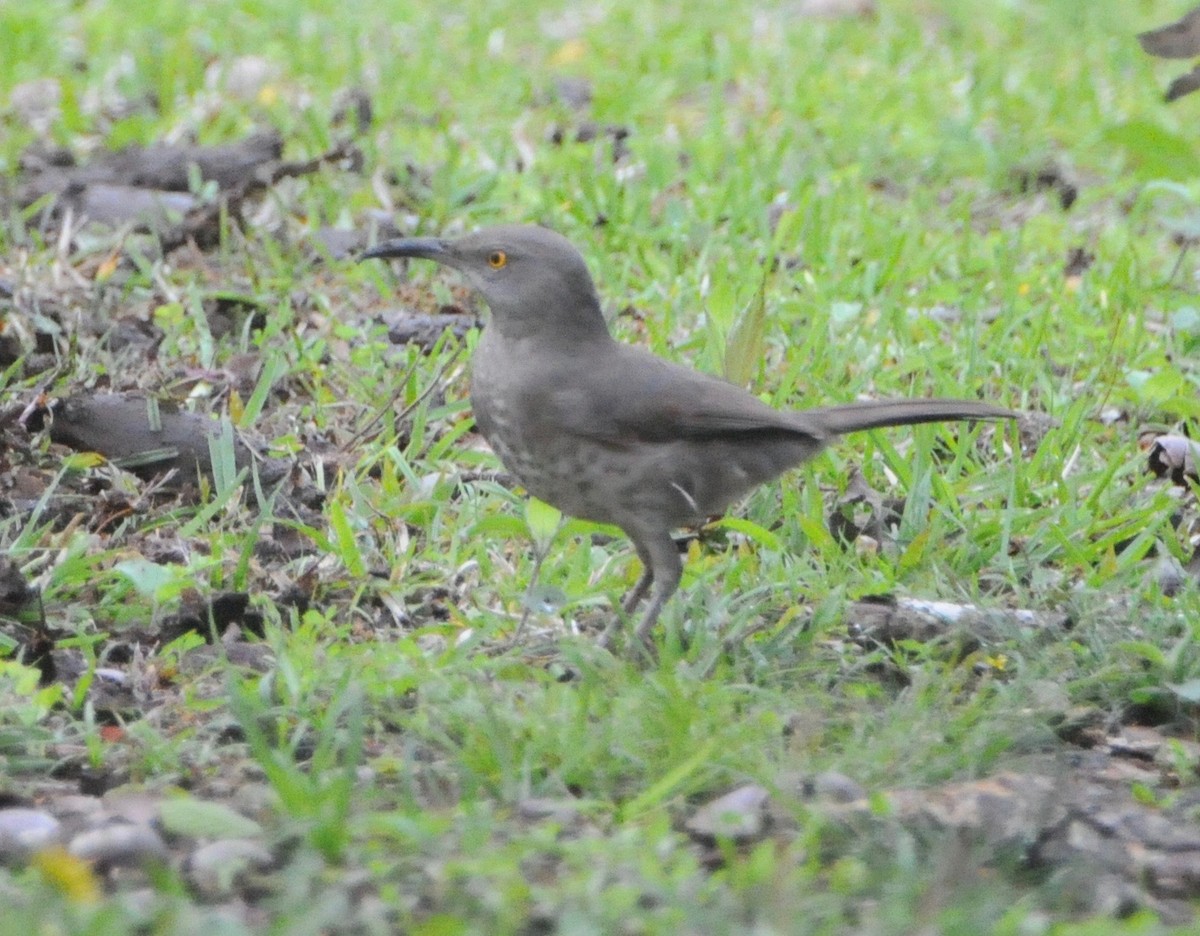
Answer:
(497, 259)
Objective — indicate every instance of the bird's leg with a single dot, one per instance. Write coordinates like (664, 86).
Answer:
(662, 569)
(630, 601)
(638, 592)
(665, 568)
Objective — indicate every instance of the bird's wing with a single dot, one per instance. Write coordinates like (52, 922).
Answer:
(642, 398)
(632, 396)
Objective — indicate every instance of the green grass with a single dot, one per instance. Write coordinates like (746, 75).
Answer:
(866, 174)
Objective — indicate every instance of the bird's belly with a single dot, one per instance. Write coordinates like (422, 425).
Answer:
(572, 478)
(611, 483)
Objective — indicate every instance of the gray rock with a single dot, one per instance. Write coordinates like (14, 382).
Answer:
(119, 843)
(216, 869)
(740, 816)
(837, 787)
(23, 831)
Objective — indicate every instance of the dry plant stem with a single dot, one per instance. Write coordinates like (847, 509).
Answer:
(434, 382)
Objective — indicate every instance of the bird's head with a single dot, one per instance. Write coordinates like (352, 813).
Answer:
(533, 280)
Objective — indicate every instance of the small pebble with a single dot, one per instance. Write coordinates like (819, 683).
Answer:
(216, 869)
(132, 805)
(538, 808)
(739, 815)
(837, 787)
(23, 831)
(119, 843)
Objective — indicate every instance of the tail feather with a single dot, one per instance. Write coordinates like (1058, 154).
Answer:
(875, 414)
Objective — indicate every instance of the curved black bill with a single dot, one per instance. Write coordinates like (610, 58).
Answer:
(426, 248)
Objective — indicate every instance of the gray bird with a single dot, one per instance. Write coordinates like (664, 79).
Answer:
(609, 432)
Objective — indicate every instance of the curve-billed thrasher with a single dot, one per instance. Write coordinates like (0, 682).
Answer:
(609, 432)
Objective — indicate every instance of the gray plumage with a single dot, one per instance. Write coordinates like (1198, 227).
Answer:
(609, 432)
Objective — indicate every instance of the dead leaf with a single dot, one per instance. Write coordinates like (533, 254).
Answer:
(1171, 456)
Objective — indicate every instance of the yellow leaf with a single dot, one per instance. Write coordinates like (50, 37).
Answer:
(73, 877)
(107, 268)
(568, 53)
(82, 461)
(237, 408)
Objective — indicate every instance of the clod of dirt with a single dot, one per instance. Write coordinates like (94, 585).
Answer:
(114, 205)
(354, 106)
(889, 622)
(162, 167)
(1032, 428)
(426, 330)
(864, 514)
(228, 312)
(573, 91)
(211, 616)
(17, 598)
(143, 436)
(1051, 178)
(1079, 261)
(152, 186)
(588, 130)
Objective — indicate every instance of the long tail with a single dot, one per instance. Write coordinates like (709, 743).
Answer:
(853, 417)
